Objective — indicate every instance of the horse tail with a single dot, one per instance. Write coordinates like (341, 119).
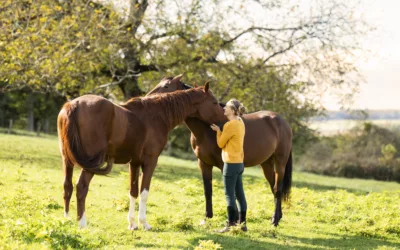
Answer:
(287, 179)
(71, 142)
(102, 171)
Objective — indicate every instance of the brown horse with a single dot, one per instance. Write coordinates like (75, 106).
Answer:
(267, 142)
(93, 130)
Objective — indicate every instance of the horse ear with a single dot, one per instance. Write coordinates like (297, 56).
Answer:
(195, 84)
(179, 77)
(207, 86)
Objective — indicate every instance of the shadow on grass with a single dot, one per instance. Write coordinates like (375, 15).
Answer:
(322, 188)
(20, 132)
(169, 172)
(142, 245)
(346, 242)
(165, 172)
(60, 240)
(226, 241)
(229, 241)
(236, 242)
(48, 161)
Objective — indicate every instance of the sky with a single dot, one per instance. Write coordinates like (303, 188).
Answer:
(381, 70)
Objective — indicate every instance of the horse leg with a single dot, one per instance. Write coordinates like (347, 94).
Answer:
(280, 165)
(147, 169)
(82, 188)
(133, 194)
(206, 171)
(68, 187)
(270, 175)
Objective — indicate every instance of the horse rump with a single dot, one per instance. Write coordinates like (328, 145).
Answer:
(71, 145)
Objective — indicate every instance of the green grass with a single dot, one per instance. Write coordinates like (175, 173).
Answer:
(324, 212)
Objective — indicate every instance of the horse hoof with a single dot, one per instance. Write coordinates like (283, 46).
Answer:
(146, 227)
(82, 222)
(275, 221)
(133, 227)
(203, 222)
(66, 215)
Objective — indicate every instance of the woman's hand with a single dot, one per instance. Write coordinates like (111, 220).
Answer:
(215, 128)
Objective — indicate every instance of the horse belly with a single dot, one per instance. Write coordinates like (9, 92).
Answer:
(122, 157)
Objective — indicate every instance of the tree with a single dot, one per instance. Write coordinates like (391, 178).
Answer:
(76, 42)
(270, 54)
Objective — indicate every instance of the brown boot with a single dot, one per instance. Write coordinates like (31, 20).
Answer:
(242, 221)
(227, 227)
(232, 213)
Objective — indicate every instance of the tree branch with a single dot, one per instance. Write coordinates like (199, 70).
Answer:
(115, 83)
(137, 10)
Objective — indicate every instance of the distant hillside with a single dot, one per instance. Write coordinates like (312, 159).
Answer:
(360, 115)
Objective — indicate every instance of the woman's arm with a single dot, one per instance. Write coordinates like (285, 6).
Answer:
(224, 136)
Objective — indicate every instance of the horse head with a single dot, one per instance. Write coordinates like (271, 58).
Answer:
(169, 84)
(172, 84)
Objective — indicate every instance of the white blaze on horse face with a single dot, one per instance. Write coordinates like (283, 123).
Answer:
(82, 222)
(142, 209)
(131, 214)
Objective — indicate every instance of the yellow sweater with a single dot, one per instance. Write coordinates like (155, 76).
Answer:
(231, 141)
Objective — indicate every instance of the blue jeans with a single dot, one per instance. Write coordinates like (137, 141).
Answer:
(232, 174)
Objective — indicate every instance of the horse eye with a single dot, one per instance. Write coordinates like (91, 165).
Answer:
(166, 86)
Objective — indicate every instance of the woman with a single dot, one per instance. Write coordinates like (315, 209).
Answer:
(231, 141)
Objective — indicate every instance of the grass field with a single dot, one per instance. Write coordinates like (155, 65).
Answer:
(324, 213)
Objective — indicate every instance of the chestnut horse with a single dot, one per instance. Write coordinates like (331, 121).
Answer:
(93, 130)
(267, 142)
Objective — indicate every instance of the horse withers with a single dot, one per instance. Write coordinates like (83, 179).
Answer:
(93, 131)
(267, 142)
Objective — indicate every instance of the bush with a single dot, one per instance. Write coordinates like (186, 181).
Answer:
(367, 151)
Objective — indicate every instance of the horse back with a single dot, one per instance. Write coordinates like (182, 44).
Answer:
(266, 132)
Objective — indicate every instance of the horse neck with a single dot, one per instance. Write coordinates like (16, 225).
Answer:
(198, 127)
(172, 108)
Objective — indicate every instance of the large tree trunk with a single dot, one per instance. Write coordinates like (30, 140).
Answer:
(39, 127)
(130, 88)
(10, 126)
(46, 126)
(30, 113)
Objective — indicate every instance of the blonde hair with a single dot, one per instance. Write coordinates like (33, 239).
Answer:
(237, 107)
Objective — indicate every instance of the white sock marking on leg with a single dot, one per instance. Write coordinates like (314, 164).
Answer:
(142, 209)
(131, 214)
(82, 222)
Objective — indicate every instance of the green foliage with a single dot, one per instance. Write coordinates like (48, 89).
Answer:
(388, 154)
(367, 151)
(53, 46)
(207, 245)
(324, 212)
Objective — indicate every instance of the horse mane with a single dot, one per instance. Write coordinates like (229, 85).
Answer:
(172, 107)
